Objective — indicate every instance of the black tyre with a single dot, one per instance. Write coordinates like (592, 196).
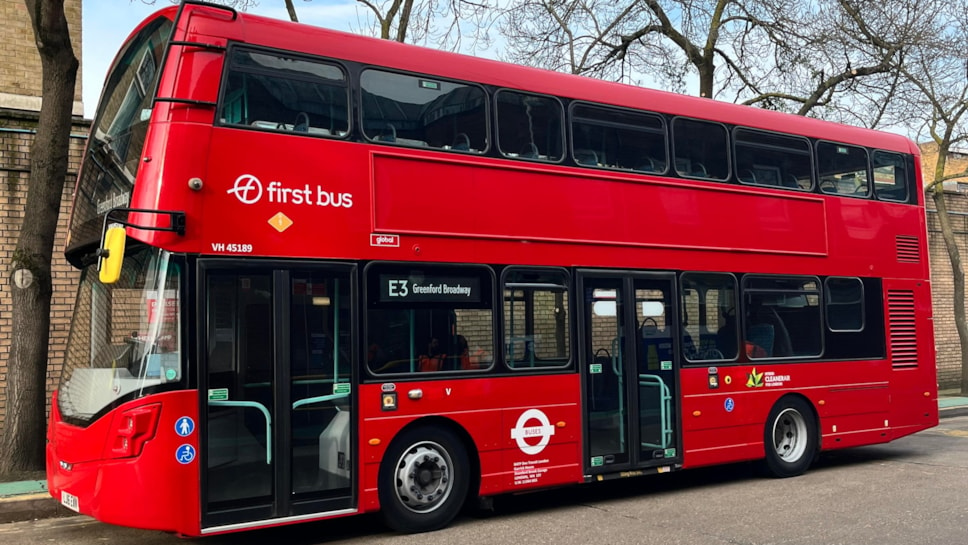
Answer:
(423, 480)
(790, 438)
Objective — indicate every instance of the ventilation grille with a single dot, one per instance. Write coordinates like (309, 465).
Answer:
(907, 249)
(904, 342)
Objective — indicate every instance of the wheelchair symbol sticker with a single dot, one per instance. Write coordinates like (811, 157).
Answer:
(185, 454)
(729, 405)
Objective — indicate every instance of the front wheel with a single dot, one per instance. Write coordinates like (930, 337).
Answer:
(790, 438)
(423, 480)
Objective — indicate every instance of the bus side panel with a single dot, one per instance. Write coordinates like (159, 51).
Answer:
(410, 192)
(519, 446)
(152, 490)
(914, 384)
(727, 423)
(854, 415)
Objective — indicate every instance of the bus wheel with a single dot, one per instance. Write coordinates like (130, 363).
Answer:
(790, 438)
(423, 480)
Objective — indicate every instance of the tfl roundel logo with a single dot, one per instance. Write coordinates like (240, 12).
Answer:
(247, 188)
(525, 429)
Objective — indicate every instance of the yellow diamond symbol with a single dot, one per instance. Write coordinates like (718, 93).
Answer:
(280, 221)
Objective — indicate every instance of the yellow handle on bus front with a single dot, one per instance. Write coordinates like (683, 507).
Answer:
(112, 254)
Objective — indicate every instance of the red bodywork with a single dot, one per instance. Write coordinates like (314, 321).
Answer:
(149, 490)
(450, 208)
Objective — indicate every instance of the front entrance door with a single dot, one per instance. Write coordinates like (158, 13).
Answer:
(276, 361)
(630, 370)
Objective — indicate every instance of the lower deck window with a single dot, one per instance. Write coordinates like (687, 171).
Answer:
(429, 319)
(782, 316)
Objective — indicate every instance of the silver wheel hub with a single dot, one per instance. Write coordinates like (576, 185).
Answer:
(790, 435)
(423, 477)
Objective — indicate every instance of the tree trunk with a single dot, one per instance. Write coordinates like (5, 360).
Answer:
(22, 442)
(707, 74)
(958, 275)
(292, 11)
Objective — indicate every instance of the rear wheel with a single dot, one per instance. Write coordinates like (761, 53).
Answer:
(790, 438)
(423, 480)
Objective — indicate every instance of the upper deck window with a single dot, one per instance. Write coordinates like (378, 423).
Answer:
(843, 169)
(890, 176)
(269, 91)
(701, 149)
(764, 158)
(424, 112)
(619, 139)
(530, 126)
(119, 132)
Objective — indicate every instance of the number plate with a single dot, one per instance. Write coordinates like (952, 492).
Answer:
(69, 501)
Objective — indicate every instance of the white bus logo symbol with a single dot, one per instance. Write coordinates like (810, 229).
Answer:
(522, 431)
(247, 188)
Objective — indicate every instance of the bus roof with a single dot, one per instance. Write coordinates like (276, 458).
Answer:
(312, 40)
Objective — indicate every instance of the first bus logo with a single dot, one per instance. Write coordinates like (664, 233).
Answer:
(249, 190)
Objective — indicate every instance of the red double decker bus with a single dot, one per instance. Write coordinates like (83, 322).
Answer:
(323, 274)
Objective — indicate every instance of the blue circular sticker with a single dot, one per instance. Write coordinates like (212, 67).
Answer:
(185, 454)
(729, 404)
(184, 426)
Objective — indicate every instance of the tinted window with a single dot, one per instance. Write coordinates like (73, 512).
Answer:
(701, 149)
(529, 126)
(845, 304)
(429, 319)
(772, 159)
(865, 337)
(536, 319)
(423, 111)
(709, 316)
(781, 316)
(283, 93)
(843, 169)
(618, 139)
(890, 176)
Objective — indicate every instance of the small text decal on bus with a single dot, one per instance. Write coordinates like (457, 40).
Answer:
(390, 241)
(249, 190)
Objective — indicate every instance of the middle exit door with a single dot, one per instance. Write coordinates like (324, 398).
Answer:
(630, 370)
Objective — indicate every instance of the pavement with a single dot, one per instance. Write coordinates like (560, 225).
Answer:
(29, 500)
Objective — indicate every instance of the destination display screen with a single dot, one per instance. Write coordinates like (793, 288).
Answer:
(402, 288)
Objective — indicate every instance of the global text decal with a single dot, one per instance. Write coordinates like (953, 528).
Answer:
(250, 190)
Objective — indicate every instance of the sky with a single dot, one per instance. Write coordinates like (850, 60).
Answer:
(105, 24)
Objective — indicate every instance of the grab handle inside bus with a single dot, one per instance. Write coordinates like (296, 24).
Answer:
(112, 253)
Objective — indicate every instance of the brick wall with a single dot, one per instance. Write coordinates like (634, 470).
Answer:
(16, 136)
(942, 283)
(20, 80)
(20, 83)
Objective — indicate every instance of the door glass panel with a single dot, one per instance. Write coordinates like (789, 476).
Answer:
(607, 401)
(656, 376)
(320, 371)
(240, 382)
